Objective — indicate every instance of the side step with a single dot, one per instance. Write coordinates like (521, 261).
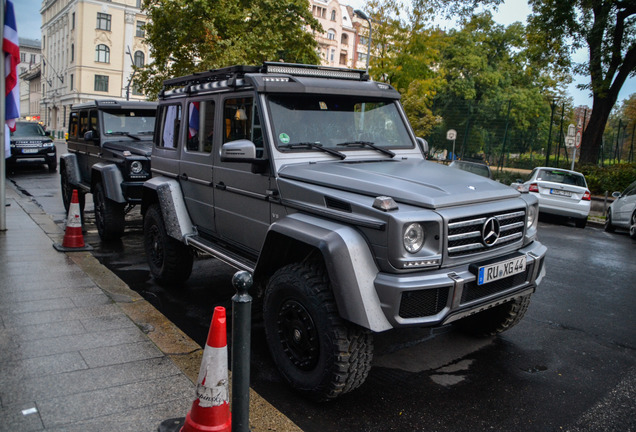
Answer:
(221, 253)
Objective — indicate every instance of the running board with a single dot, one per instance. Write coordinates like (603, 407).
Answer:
(220, 253)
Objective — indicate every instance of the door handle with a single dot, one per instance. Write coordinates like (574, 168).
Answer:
(220, 186)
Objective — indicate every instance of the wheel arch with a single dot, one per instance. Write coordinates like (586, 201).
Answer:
(167, 194)
(111, 178)
(68, 162)
(347, 258)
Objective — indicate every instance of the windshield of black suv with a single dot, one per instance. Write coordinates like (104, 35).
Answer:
(338, 122)
(25, 130)
(129, 122)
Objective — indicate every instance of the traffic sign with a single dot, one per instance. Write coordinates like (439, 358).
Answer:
(578, 140)
(451, 134)
(571, 130)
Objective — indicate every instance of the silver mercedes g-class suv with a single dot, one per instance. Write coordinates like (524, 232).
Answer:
(311, 178)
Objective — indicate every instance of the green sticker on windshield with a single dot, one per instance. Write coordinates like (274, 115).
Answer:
(284, 138)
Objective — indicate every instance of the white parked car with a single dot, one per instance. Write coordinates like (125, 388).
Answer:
(560, 192)
(622, 212)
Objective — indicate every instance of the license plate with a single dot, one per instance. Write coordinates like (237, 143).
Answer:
(560, 192)
(500, 270)
(33, 150)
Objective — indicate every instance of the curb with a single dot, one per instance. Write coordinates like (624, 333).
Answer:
(184, 352)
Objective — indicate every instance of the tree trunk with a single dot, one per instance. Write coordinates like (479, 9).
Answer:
(593, 133)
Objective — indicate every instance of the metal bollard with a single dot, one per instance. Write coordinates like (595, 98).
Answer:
(241, 328)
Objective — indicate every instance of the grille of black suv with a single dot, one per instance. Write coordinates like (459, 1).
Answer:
(421, 303)
(465, 234)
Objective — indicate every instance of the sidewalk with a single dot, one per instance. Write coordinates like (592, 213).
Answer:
(81, 351)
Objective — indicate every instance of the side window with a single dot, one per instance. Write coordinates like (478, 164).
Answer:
(242, 121)
(200, 126)
(93, 122)
(170, 122)
(83, 121)
(73, 124)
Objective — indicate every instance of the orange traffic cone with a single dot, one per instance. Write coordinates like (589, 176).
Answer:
(211, 409)
(73, 237)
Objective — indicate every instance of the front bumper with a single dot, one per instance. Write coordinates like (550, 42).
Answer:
(561, 207)
(446, 295)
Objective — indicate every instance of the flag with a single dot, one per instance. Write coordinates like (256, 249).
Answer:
(11, 50)
(193, 120)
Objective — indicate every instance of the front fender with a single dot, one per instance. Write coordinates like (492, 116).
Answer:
(111, 179)
(71, 167)
(167, 193)
(350, 265)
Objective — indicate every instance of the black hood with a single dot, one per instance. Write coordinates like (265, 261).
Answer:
(141, 148)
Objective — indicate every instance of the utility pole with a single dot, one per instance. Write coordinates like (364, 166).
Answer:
(547, 154)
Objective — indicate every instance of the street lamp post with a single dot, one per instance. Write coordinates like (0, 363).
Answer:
(364, 16)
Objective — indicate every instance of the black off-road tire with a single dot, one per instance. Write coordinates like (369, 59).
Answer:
(632, 226)
(316, 351)
(170, 261)
(110, 217)
(580, 223)
(608, 222)
(496, 320)
(67, 192)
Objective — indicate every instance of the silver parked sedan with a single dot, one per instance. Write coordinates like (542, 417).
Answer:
(622, 212)
(560, 192)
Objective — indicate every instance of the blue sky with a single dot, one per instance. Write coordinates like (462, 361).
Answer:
(30, 21)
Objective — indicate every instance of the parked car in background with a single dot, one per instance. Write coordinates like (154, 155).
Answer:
(30, 143)
(474, 167)
(560, 192)
(622, 212)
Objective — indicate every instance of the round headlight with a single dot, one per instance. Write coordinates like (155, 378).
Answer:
(413, 237)
(136, 167)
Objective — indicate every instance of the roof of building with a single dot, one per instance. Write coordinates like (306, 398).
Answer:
(30, 43)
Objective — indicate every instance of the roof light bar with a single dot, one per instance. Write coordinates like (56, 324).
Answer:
(314, 71)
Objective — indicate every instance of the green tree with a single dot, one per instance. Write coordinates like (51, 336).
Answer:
(187, 36)
(606, 28)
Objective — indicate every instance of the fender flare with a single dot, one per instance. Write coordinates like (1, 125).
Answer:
(71, 168)
(167, 193)
(348, 259)
(111, 179)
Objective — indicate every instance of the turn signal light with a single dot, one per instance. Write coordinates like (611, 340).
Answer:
(587, 196)
(533, 188)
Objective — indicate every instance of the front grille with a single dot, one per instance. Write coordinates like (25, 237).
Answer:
(465, 234)
(421, 303)
(472, 291)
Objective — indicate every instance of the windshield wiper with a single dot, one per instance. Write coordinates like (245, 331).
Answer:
(128, 134)
(310, 145)
(367, 144)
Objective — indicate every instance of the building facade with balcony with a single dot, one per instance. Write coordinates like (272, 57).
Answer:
(88, 47)
(30, 56)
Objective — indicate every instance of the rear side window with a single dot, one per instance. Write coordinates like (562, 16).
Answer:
(200, 126)
(169, 126)
(73, 125)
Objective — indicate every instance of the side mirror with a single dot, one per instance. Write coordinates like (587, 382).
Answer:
(242, 151)
(423, 145)
(616, 194)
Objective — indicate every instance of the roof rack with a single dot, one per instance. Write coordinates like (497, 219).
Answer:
(232, 73)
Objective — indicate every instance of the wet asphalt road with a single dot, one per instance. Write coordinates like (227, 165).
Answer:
(569, 365)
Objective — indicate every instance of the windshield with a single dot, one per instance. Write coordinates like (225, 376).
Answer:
(336, 122)
(135, 122)
(561, 177)
(27, 130)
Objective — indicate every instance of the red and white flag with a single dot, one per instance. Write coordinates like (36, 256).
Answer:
(11, 50)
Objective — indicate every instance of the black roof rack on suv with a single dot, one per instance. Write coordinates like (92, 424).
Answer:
(231, 74)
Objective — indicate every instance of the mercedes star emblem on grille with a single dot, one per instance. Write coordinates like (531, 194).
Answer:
(490, 232)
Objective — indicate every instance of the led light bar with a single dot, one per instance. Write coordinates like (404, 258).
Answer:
(314, 71)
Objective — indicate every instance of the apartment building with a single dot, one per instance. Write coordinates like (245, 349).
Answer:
(30, 55)
(88, 47)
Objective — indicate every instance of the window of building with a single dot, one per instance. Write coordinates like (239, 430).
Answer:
(103, 21)
(136, 90)
(102, 54)
(73, 21)
(139, 4)
(344, 39)
(139, 58)
(140, 29)
(71, 82)
(362, 57)
(32, 58)
(22, 57)
(333, 53)
(331, 34)
(101, 83)
(23, 70)
(364, 40)
(72, 52)
(333, 15)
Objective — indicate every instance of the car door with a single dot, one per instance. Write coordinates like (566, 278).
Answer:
(624, 206)
(196, 169)
(241, 196)
(165, 159)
